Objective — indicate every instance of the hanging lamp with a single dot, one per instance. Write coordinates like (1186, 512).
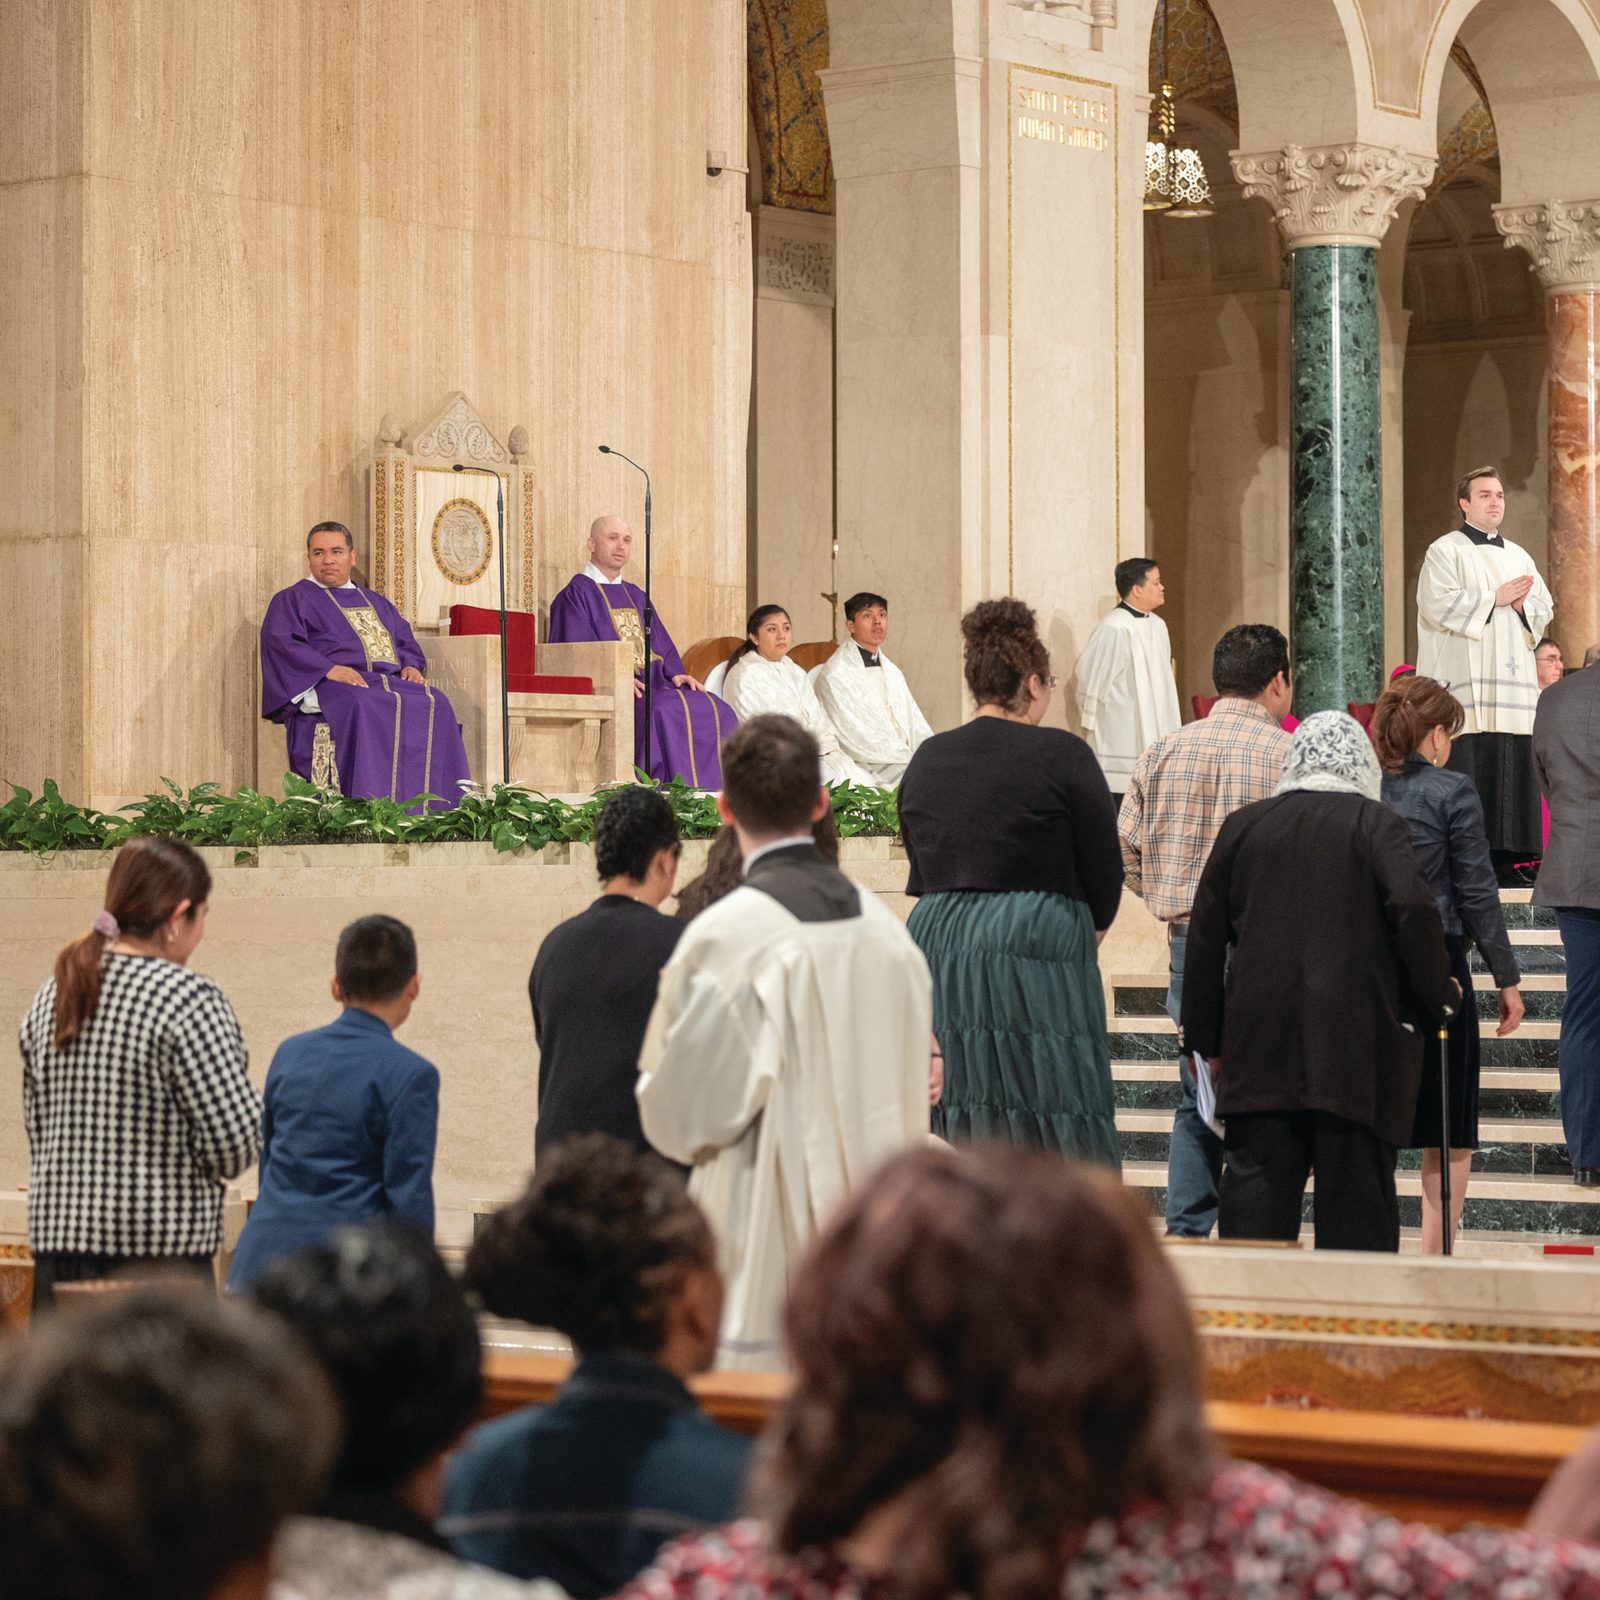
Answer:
(1174, 175)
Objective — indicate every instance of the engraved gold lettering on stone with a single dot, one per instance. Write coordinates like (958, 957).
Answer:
(1086, 126)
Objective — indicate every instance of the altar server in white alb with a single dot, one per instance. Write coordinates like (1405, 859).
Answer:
(1482, 609)
(1127, 698)
(789, 1049)
(867, 697)
(763, 680)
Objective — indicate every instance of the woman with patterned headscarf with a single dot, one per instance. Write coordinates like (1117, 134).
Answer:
(1315, 954)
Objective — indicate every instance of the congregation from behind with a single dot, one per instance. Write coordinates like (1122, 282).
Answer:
(792, 1047)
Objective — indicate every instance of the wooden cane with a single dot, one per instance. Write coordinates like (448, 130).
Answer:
(1444, 1136)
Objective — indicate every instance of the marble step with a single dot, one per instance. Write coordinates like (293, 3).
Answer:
(1524, 914)
(1547, 1207)
(1533, 1146)
(1535, 954)
(1543, 994)
(1518, 1093)
(1534, 1045)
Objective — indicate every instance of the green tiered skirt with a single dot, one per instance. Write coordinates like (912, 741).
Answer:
(1020, 1014)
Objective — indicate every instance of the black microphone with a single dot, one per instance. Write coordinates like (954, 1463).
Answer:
(505, 685)
(649, 619)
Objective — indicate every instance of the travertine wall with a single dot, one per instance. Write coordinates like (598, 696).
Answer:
(235, 233)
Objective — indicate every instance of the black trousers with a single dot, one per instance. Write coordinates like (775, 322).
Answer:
(1267, 1157)
(52, 1267)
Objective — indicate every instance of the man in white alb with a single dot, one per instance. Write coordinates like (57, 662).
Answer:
(787, 1055)
(1127, 697)
(866, 695)
(1481, 610)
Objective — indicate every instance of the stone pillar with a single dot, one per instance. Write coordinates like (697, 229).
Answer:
(1564, 240)
(1333, 204)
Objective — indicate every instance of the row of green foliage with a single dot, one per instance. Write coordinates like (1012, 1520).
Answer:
(507, 818)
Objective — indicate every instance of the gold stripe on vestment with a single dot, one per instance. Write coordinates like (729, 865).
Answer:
(688, 727)
(394, 765)
(427, 764)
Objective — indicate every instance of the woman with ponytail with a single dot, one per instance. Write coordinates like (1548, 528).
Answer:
(1012, 839)
(762, 678)
(1412, 726)
(134, 1093)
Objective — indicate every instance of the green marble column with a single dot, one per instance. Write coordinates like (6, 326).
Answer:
(1336, 477)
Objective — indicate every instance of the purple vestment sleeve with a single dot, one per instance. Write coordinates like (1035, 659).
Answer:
(291, 661)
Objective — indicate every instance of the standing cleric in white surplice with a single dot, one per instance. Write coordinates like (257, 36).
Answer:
(1127, 698)
(1482, 609)
(867, 697)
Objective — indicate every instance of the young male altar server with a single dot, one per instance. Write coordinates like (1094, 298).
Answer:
(867, 698)
(761, 678)
(1127, 698)
(342, 671)
(687, 724)
(351, 1115)
(1481, 610)
(788, 1053)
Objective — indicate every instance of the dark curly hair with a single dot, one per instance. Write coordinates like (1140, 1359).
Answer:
(596, 1246)
(634, 823)
(151, 1445)
(378, 1308)
(1003, 650)
(994, 1339)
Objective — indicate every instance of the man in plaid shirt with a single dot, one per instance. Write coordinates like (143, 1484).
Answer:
(1183, 788)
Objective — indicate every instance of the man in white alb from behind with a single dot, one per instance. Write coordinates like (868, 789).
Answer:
(1127, 698)
(867, 697)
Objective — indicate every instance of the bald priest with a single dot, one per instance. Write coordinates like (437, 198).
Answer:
(343, 672)
(687, 723)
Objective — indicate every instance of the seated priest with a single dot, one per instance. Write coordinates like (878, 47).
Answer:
(342, 671)
(867, 697)
(687, 725)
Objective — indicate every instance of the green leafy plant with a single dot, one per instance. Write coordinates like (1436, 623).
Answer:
(508, 818)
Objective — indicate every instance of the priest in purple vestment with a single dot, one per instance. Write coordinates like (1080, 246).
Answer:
(688, 725)
(342, 671)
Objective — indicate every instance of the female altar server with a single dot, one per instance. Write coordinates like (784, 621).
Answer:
(1013, 845)
(762, 678)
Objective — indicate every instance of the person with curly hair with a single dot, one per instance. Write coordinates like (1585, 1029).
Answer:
(594, 979)
(1012, 838)
(606, 1246)
(151, 1445)
(997, 1395)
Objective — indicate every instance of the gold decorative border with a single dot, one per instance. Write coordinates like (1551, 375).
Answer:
(400, 542)
(488, 541)
(380, 526)
(1012, 68)
(1478, 1333)
(527, 541)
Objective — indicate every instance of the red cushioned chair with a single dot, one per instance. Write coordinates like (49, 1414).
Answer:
(1362, 714)
(521, 650)
(1202, 704)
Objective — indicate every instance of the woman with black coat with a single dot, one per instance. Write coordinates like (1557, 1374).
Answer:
(1316, 954)
(1412, 726)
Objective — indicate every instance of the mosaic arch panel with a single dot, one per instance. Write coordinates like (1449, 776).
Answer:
(788, 47)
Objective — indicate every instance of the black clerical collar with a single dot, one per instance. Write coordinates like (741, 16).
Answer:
(1133, 611)
(1478, 536)
(867, 657)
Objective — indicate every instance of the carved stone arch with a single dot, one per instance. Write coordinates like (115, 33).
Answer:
(1540, 65)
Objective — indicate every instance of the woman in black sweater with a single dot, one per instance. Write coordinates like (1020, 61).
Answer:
(1012, 837)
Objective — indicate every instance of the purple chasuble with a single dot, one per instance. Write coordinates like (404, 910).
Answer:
(688, 726)
(393, 739)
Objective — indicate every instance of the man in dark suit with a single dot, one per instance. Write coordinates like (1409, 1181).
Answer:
(594, 980)
(351, 1115)
(1566, 755)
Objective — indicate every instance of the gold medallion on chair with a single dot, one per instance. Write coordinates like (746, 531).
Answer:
(462, 542)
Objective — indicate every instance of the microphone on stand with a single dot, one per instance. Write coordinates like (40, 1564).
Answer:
(649, 618)
(505, 692)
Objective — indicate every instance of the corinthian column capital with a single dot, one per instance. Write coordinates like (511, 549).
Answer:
(1562, 236)
(1334, 193)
